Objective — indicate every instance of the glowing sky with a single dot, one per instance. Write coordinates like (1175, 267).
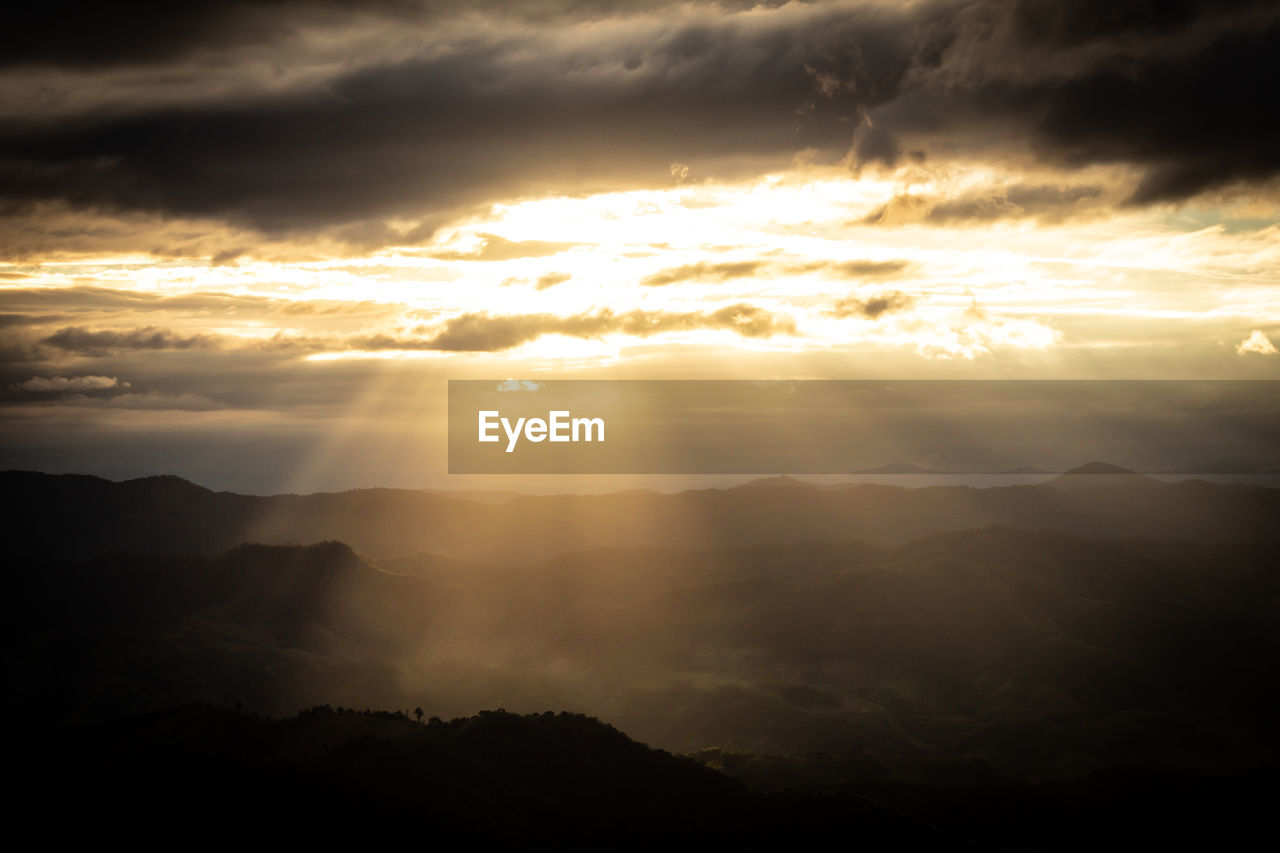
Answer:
(248, 244)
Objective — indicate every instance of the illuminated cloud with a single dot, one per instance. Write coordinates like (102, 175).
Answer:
(495, 332)
(703, 271)
(494, 248)
(264, 212)
(551, 279)
(518, 385)
(969, 337)
(721, 271)
(1257, 342)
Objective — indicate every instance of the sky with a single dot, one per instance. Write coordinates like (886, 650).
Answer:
(248, 243)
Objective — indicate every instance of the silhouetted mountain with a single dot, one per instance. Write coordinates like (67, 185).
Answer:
(74, 517)
(330, 776)
(339, 777)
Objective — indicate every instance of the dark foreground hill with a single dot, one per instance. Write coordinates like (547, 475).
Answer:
(74, 517)
(199, 776)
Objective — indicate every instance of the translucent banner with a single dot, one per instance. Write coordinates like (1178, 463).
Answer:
(861, 426)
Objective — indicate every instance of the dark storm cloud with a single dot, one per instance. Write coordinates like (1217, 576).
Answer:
(1182, 92)
(87, 34)
(83, 341)
(1195, 125)
(1179, 91)
(481, 120)
(8, 320)
(1018, 200)
(105, 301)
(483, 332)
(1054, 23)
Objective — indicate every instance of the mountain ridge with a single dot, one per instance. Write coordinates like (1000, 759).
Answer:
(172, 516)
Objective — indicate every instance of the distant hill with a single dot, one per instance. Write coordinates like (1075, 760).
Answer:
(780, 481)
(944, 658)
(1102, 475)
(1099, 468)
(74, 517)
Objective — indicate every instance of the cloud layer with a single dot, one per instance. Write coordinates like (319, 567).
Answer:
(396, 116)
(288, 219)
